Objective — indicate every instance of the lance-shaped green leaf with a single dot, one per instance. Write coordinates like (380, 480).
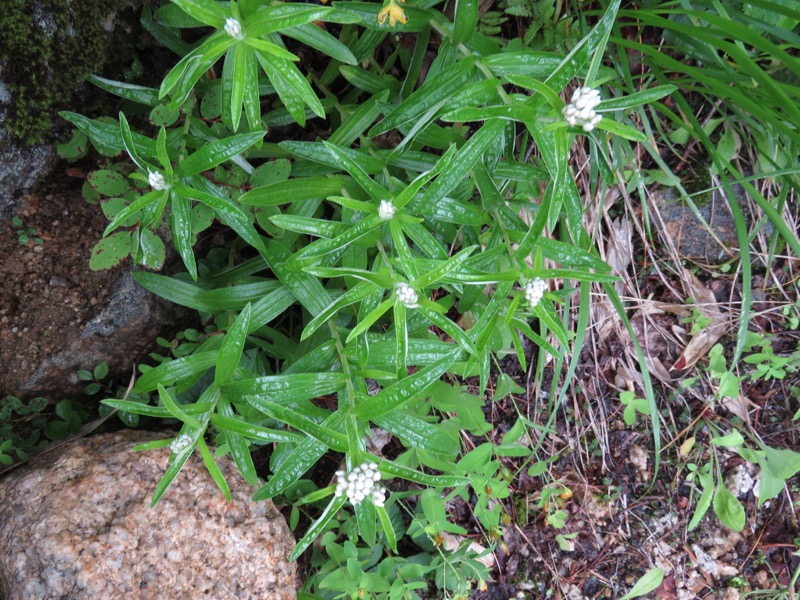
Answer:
(511, 113)
(354, 233)
(160, 412)
(277, 18)
(317, 152)
(369, 320)
(336, 504)
(153, 197)
(359, 120)
(410, 191)
(369, 81)
(377, 192)
(236, 296)
(285, 389)
(590, 46)
(255, 432)
(206, 11)
(213, 468)
(459, 168)
(318, 38)
(181, 79)
(270, 49)
(394, 469)
(403, 249)
(525, 62)
(435, 89)
(401, 392)
(251, 96)
(351, 296)
(293, 190)
(465, 20)
(446, 267)
(175, 370)
(332, 439)
(300, 460)
(174, 409)
(293, 89)
(416, 433)
(230, 352)
(233, 79)
(227, 212)
(450, 328)
(215, 153)
(174, 290)
(645, 96)
(381, 279)
(388, 527)
(128, 91)
(195, 434)
(307, 289)
(567, 254)
(622, 130)
(239, 447)
(181, 228)
(401, 339)
(108, 134)
(322, 228)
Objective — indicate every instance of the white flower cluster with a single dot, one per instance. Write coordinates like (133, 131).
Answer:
(386, 210)
(361, 483)
(157, 181)
(534, 290)
(580, 111)
(406, 295)
(234, 29)
(180, 443)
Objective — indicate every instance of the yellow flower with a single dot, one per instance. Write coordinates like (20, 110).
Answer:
(394, 12)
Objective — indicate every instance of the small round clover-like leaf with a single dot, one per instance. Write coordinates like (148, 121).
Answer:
(112, 206)
(274, 171)
(164, 115)
(75, 148)
(211, 105)
(110, 251)
(108, 183)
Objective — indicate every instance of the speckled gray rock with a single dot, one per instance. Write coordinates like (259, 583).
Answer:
(77, 524)
(121, 335)
(691, 237)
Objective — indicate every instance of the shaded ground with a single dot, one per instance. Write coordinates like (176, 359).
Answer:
(47, 292)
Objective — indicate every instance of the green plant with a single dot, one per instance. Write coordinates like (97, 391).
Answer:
(94, 378)
(25, 235)
(406, 241)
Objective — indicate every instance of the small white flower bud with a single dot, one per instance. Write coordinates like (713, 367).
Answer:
(581, 109)
(234, 29)
(180, 443)
(157, 181)
(386, 210)
(534, 291)
(406, 295)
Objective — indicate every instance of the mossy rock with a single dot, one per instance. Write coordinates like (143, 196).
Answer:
(48, 47)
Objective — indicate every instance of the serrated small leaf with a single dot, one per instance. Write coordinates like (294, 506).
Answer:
(108, 183)
(164, 115)
(110, 251)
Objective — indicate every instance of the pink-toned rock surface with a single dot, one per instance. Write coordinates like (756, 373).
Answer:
(77, 524)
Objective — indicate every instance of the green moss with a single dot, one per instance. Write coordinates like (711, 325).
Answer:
(45, 55)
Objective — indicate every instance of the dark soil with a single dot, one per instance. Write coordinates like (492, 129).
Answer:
(47, 291)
